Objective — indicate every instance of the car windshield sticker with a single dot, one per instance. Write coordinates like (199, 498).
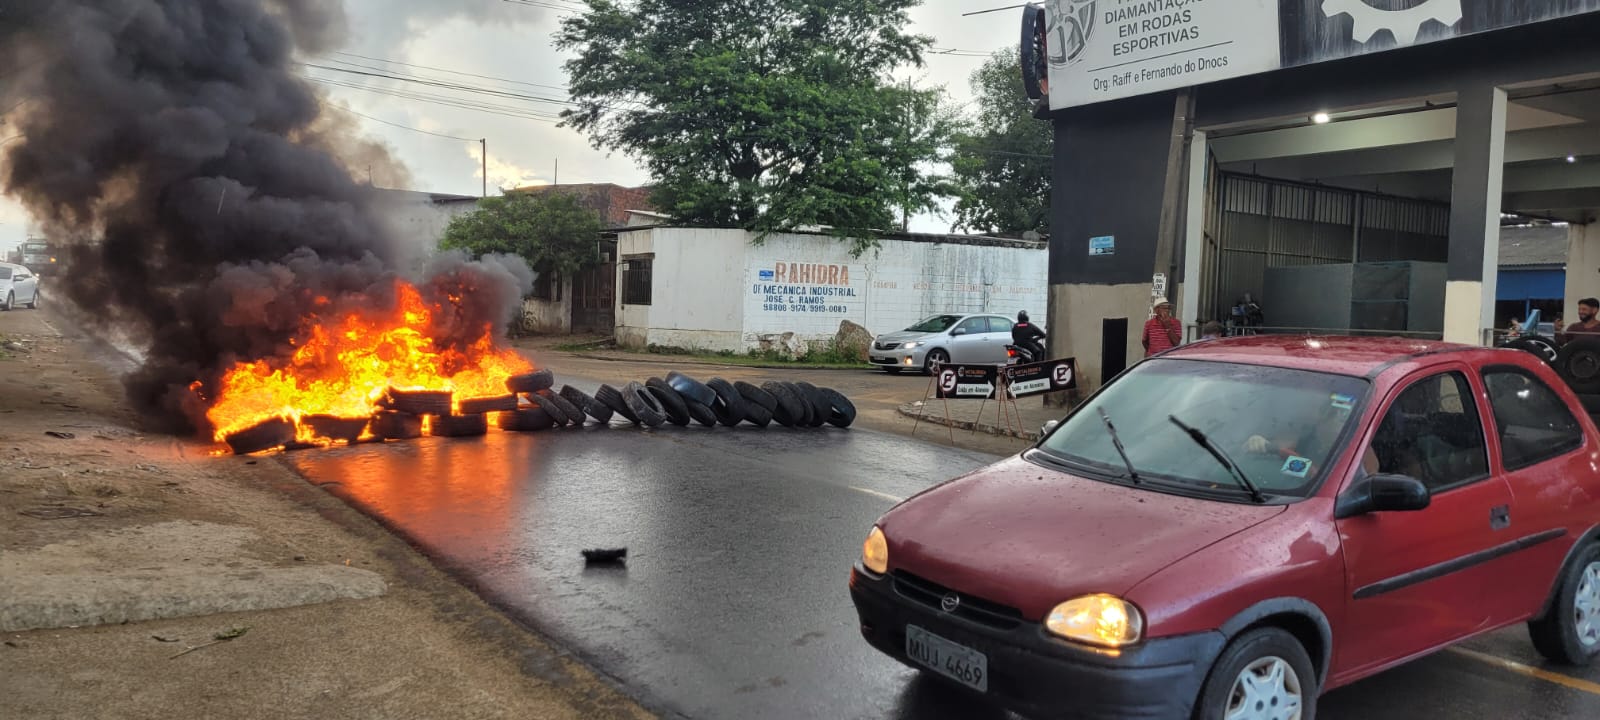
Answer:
(1343, 402)
(1298, 467)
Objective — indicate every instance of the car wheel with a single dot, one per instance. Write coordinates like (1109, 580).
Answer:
(11, 301)
(1264, 673)
(936, 357)
(1570, 632)
(34, 304)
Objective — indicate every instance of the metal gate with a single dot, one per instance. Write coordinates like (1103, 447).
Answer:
(594, 299)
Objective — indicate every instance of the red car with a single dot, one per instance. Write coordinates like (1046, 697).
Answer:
(1233, 528)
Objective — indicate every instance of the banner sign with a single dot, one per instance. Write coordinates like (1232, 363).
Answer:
(968, 382)
(1101, 50)
(1042, 377)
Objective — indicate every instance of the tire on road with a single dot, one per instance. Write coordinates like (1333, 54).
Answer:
(701, 413)
(397, 426)
(268, 435)
(500, 403)
(333, 427)
(1557, 635)
(790, 410)
(529, 420)
(756, 396)
(612, 398)
(842, 412)
(691, 389)
(456, 426)
(757, 415)
(1263, 644)
(677, 410)
(730, 405)
(531, 382)
(421, 402)
(804, 418)
(572, 413)
(1578, 363)
(551, 408)
(594, 408)
(644, 405)
(820, 408)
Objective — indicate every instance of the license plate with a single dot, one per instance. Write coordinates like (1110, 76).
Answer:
(952, 660)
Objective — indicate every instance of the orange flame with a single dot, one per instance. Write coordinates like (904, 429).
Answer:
(343, 367)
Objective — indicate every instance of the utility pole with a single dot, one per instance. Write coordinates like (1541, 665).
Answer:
(483, 144)
(557, 180)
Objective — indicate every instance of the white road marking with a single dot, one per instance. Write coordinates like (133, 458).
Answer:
(875, 493)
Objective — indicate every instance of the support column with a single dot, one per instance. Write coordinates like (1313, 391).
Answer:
(1475, 214)
(1583, 269)
(1194, 243)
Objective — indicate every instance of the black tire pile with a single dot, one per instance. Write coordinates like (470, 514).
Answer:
(681, 400)
(533, 405)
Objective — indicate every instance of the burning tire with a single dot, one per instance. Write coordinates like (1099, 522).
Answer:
(841, 412)
(478, 406)
(336, 428)
(820, 409)
(644, 405)
(420, 402)
(530, 420)
(730, 405)
(531, 382)
(571, 413)
(595, 409)
(691, 389)
(756, 396)
(790, 410)
(461, 425)
(612, 398)
(268, 435)
(757, 415)
(397, 426)
(671, 401)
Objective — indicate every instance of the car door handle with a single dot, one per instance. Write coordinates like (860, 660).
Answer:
(1499, 517)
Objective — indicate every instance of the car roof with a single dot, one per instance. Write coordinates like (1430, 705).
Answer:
(1341, 355)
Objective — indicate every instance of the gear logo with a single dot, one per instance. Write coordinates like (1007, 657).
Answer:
(1404, 24)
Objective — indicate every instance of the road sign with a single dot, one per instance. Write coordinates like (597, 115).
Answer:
(968, 382)
(1106, 245)
(1042, 377)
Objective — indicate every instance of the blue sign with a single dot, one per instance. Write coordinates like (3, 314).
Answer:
(767, 275)
(1106, 245)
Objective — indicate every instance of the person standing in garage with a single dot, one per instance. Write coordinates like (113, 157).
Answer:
(1162, 332)
(1588, 325)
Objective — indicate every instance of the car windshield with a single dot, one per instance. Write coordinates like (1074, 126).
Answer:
(5, 273)
(937, 323)
(1282, 427)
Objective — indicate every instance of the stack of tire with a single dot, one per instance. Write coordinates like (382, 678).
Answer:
(677, 400)
(1577, 362)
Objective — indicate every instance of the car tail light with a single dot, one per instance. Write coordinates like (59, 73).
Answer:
(1011, 352)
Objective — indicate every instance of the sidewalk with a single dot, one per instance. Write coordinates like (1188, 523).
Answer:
(1022, 421)
(140, 576)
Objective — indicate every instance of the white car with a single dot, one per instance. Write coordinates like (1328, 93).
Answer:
(18, 286)
(978, 339)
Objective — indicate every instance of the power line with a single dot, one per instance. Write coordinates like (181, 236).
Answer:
(440, 69)
(446, 102)
(398, 125)
(441, 84)
(563, 8)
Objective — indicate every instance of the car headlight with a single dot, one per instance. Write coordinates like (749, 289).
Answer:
(911, 345)
(1103, 620)
(875, 552)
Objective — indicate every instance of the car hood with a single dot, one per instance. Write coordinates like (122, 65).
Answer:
(1030, 537)
(904, 336)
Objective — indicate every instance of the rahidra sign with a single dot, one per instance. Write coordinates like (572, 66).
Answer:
(805, 288)
(1103, 50)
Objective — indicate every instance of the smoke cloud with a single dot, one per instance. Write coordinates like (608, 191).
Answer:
(210, 202)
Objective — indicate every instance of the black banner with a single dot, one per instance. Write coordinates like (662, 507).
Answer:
(1316, 31)
(1042, 377)
(968, 382)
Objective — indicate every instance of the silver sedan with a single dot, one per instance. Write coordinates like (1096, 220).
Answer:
(978, 339)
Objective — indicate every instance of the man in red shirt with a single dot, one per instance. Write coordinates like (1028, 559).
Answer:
(1162, 332)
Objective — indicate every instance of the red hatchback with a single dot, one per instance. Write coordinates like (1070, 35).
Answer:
(1232, 528)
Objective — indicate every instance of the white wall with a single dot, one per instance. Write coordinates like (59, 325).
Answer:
(549, 317)
(633, 321)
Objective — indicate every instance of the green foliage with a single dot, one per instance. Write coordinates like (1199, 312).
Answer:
(550, 229)
(767, 115)
(1001, 159)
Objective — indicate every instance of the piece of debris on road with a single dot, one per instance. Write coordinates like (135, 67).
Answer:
(605, 556)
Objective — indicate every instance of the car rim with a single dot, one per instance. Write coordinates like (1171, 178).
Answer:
(1267, 689)
(1586, 606)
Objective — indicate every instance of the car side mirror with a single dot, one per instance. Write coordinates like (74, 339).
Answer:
(1383, 493)
(1047, 427)
(958, 331)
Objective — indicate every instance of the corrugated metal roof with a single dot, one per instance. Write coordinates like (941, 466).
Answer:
(1533, 246)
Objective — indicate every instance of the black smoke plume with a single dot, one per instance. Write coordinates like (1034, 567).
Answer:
(203, 190)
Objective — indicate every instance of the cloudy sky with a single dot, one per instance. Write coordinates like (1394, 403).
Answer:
(452, 41)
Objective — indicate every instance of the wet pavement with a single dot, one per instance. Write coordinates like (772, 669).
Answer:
(733, 602)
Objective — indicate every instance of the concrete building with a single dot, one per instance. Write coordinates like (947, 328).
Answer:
(718, 290)
(1533, 273)
(1218, 141)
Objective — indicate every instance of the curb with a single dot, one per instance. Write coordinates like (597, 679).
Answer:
(913, 411)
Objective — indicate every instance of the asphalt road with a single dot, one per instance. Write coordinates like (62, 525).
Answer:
(733, 602)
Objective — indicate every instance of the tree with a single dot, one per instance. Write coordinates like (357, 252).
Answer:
(766, 115)
(551, 230)
(1001, 160)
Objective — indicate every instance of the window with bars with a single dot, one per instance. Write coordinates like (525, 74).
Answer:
(636, 286)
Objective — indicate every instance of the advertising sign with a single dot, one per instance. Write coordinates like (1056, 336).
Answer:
(1101, 50)
(1042, 377)
(967, 382)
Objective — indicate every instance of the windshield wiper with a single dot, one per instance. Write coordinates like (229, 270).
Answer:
(1233, 469)
(1116, 441)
